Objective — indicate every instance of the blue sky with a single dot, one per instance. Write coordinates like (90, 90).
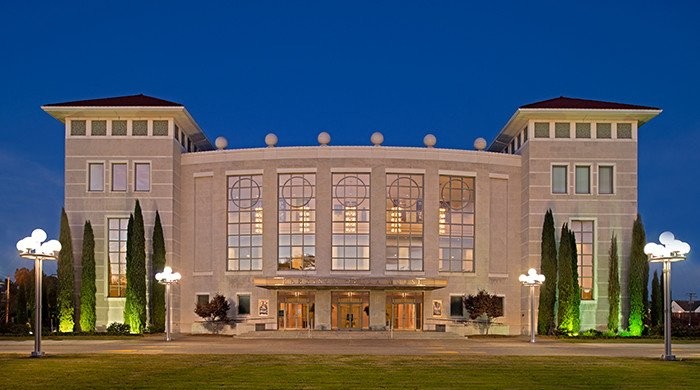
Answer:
(455, 69)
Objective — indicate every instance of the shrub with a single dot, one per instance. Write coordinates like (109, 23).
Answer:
(214, 310)
(117, 328)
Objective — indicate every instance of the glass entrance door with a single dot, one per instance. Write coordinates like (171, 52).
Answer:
(295, 310)
(404, 311)
(295, 315)
(349, 310)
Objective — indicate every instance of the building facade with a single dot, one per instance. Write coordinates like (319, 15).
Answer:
(352, 237)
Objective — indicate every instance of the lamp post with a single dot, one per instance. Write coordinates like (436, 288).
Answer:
(531, 280)
(167, 277)
(34, 248)
(670, 251)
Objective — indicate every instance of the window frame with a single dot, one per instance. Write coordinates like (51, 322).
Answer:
(566, 178)
(336, 178)
(461, 299)
(107, 272)
(233, 222)
(238, 304)
(113, 164)
(588, 166)
(303, 239)
(89, 176)
(404, 253)
(594, 255)
(463, 237)
(136, 175)
(613, 180)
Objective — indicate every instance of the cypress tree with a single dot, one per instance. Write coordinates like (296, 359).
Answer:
(613, 287)
(576, 297)
(158, 290)
(88, 289)
(565, 285)
(548, 267)
(638, 267)
(65, 301)
(135, 305)
(657, 301)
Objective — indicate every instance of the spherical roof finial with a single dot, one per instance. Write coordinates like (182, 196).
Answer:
(377, 138)
(480, 144)
(429, 140)
(271, 140)
(221, 143)
(324, 138)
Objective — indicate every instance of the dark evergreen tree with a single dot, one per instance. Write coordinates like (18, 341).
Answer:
(576, 297)
(88, 289)
(657, 301)
(548, 267)
(157, 290)
(565, 290)
(613, 287)
(65, 300)
(638, 276)
(135, 305)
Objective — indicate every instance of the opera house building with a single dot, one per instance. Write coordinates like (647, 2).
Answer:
(366, 237)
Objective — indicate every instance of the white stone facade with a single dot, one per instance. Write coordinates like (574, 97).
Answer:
(512, 186)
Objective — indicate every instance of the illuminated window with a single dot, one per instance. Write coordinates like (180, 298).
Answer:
(559, 182)
(117, 255)
(245, 223)
(583, 231)
(404, 222)
(297, 222)
(142, 177)
(96, 179)
(119, 173)
(350, 221)
(456, 224)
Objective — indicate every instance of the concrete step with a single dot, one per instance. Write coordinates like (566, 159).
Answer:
(345, 334)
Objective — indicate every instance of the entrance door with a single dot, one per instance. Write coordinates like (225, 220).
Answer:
(295, 315)
(349, 316)
(404, 311)
(405, 316)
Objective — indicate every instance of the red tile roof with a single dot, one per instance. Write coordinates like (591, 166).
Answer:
(140, 100)
(564, 102)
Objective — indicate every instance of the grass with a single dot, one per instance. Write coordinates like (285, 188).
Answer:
(343, 372)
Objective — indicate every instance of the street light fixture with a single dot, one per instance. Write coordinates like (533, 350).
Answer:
(670, 251)
(34, 248)
(167, 277)
(531, 280)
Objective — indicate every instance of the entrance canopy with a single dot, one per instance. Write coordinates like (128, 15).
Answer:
(327, 283)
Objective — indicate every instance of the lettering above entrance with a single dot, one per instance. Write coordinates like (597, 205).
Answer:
(366, 283)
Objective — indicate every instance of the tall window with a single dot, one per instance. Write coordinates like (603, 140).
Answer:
(350, 222)
(605, 179)
(245, 223)
(96, 179)
(119, 173)
(456, 224)
(243, 304)
(456, 306)
(142, 177)
(583, 231)
(559, 182)
(297, 222)
(117, 255)
(583, 179)
(404, 222)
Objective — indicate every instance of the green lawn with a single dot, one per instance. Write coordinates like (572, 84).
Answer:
(343, 372)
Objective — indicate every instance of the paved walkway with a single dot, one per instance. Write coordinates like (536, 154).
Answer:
(353, 345)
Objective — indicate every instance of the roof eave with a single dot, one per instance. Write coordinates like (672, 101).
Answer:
(523, 115)
(180, 114)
